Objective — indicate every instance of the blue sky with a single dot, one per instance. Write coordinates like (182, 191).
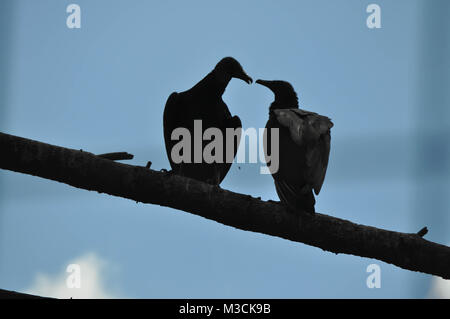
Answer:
(103, 87)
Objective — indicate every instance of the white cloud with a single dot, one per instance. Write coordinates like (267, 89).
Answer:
(91, 281)
(440, 288)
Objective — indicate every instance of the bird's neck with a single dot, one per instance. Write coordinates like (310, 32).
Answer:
(288, 104)
(213, 83)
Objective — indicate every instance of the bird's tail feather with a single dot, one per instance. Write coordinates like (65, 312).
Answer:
(296, 199)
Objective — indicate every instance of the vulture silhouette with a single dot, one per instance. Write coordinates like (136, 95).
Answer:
(204, 102)
(304, 148)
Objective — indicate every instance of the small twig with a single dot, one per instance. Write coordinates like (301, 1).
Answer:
(422, 232)
(117, 156)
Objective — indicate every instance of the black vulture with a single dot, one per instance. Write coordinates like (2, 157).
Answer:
(204, 102)
(303, 149)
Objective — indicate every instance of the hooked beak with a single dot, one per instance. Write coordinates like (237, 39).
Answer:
(244, 77)
(264, 83)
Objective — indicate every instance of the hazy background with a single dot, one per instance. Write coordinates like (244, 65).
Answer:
(103, 87)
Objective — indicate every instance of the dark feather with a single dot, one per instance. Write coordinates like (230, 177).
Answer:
(203, 102)
(313, 130)
(304, 148)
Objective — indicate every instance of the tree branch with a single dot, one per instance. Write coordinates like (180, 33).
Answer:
(7, 294)
(88, 171)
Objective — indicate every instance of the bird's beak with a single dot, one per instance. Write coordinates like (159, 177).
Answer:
(244, 77)
(267, 84)
(264, 83)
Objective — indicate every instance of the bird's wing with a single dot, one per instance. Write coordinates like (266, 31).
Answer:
(234, 122)
(224, 111)
(295, 124)
(319, 161)
(170, 120)
(313, 131)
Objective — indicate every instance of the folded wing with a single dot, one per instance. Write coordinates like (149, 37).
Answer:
(311, 131)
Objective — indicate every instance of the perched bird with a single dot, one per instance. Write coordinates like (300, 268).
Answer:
(204, 102)
(303, 149)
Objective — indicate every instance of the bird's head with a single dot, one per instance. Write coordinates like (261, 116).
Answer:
(229, 68)
(285, 96)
